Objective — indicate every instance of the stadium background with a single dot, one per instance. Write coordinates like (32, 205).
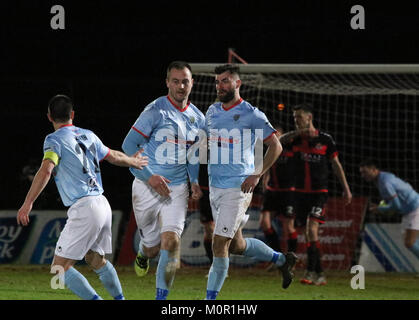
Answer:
(111, 59)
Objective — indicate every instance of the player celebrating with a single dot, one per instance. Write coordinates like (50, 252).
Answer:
(278, 198)
(233, 125)
(166, 128)
(72, 155)
(397, 195)
(313, 149)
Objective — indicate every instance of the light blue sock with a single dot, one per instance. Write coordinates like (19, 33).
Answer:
(216, 276)
(161, 287)
(79, 285)
(107, 274)
(260, 251)
(415, 248)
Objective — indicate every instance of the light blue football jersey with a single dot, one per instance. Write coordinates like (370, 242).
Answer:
(391, 186)
(232, 134)
(77, 173)
(170, 132)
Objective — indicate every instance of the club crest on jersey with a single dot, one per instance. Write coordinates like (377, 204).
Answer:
(192, 119)
(236, 117)
(318, 146)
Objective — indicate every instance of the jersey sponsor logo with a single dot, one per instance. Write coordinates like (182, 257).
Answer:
(314, 158)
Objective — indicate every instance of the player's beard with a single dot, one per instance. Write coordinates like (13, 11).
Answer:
(227, 97)
(180, 97)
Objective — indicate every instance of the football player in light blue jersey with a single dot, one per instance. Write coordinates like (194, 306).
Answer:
(72, 156)
(398, 196)
(168, 129)
(233, 127)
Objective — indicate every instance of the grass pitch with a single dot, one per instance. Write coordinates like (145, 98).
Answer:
(33, 283)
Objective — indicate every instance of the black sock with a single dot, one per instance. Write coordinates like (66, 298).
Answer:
(292, 242)
(312, 254)
(272, 239)
(318, 268)
(208, 248)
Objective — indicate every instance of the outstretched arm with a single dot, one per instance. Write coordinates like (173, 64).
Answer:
(38, 184)
(120, 159)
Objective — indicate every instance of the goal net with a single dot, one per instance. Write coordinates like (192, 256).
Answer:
(370, 111)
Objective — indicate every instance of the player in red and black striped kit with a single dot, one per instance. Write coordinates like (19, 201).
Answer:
(279, 198)
(313, 150)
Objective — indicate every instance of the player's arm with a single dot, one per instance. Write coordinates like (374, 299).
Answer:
(38, 184)
(272, 153)
(340, 174)
(193, 173)
(120, 159)
(197, 150)
(393, 204)
(132, 144)
(390, 202)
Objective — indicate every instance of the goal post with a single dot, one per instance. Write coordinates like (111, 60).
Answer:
(369, 109)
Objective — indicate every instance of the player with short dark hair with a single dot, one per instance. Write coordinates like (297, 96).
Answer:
(167, 129)
(397, 195)
(72, 156)
(313, 150)
(233, 127)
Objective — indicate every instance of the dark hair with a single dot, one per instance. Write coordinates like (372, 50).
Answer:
(60, 107)
(304, 107)
(179, 65)
(369, 162)
(233, 69)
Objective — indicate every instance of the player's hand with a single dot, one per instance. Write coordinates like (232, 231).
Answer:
(196, 191)
(250, 184)
(23, 214)
(159, 184)
(140, 161)
(348, 197)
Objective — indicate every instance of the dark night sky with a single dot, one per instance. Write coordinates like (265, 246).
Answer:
(106, 42)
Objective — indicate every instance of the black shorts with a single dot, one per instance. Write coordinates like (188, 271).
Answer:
(205, 213)
(310, 205)
(281, 202)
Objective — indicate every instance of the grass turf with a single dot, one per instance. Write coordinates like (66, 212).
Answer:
(33, 283)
